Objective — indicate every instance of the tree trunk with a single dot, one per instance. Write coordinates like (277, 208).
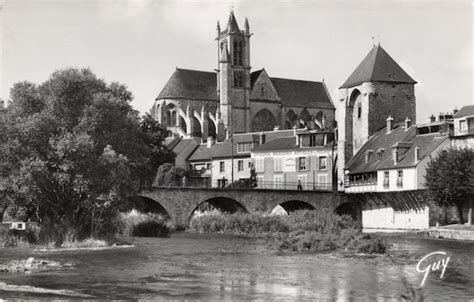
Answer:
(459, 206)
(469, 214)
(445, 215)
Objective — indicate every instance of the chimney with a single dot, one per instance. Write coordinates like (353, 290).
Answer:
(440, 117)
(432, 119)
(407, 123)
(417, 154)
(295, 131)
(261, 138)
(389, 124)
(395, 156)
(210, 141)
(456, 110)
(226, 133)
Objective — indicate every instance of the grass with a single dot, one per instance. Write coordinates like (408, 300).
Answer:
(138, 224)
(311, 231)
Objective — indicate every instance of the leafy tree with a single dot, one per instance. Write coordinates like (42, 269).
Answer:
(450, 178)
(168, 174)
(74, 150)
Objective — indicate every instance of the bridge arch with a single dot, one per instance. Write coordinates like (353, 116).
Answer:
(295, 205)
(223, 204)
(148, 205)
(350, 209)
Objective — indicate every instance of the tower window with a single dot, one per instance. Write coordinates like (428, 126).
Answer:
(238, 79)
(359, 110)
(263, 91)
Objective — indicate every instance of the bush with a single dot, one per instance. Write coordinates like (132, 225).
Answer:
(134, 223)
(238, 223)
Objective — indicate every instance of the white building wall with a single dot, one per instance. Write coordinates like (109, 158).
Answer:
(387, 218)
(218, 175)
(409, 180)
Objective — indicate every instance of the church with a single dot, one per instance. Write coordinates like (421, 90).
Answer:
(235, 99)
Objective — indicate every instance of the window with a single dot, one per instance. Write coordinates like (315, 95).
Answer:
(323, 163)
(238, 79)
(380, 154)
(278, 182)
(238, 53)
(322, 182)
(244, 147)
(240, 165)
(208, 166)
(359, 110)
(462, 126)
(400, 178)
(259, 165)
(302, 164)
(222, 166)
(262, 91)
(386, 179)
(278, 164)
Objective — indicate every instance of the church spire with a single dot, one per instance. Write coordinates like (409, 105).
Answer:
(232, 24)
(218, 28)
(247, 27)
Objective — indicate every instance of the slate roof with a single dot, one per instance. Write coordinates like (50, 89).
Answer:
(202, 85)
(302, 93)
(377, 66)
(190, 84)
(278, 144)
(406, 140)
(465, 111)
(224, 149)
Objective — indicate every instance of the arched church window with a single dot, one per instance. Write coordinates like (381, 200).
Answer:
(173, 118)
(263, 91)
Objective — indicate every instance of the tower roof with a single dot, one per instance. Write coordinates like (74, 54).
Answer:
(232, 24)
(377, 66)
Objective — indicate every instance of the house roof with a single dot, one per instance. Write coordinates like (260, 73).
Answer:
(465, 111)
(190, 84)
(282, 143)
(224, 149)
(406, 141)
(202, 85)
(377, 66)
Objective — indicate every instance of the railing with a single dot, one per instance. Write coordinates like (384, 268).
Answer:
(243, 185)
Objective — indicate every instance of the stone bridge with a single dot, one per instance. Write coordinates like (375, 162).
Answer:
(181, 203)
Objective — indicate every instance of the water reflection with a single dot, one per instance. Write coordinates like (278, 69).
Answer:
(223, 267)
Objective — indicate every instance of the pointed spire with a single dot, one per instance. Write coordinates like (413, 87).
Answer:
(232, 24)
(218, 28)
(247, 27)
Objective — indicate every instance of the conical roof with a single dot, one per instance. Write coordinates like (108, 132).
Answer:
(377, 66)
(232, 24)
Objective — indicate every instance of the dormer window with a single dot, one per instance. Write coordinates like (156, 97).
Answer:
(380, 154)
(368, 155)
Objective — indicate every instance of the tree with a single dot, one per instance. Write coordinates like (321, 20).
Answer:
(168, 175)
(75, 150)
(450, 179)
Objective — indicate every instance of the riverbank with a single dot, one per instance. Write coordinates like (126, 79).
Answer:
(455, 231)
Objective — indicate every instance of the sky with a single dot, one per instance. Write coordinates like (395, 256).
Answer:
(141, 42)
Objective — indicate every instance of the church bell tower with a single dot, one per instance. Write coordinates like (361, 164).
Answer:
(233, 75)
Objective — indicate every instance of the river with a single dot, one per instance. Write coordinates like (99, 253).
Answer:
(221, 267)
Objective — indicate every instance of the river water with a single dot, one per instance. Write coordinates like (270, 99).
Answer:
(220, 267)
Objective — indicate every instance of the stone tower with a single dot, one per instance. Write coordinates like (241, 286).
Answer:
(376, 89)
(233, 75)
